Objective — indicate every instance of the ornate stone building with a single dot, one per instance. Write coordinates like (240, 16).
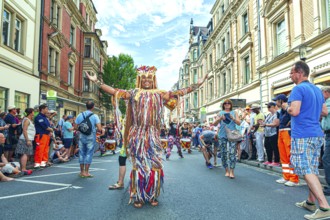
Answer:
(70, 46)
(19, 40)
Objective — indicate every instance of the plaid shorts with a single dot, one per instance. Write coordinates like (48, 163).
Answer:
(305, 153)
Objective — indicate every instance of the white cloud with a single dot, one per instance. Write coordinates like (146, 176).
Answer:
(120, 27)
(137, 44)
(152, 32)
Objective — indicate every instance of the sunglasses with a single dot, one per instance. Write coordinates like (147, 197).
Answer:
(226, 103)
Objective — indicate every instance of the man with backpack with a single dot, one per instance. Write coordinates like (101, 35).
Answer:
(87, 123)
(11, 140)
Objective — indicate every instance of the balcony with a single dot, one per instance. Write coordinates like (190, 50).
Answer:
(244, 42)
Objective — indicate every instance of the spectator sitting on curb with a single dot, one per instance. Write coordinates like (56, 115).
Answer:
(5, 166)
(59, 154)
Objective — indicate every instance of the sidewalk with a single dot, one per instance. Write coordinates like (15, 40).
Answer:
(279, 169)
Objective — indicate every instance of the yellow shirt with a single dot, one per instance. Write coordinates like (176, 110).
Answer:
(259, 116)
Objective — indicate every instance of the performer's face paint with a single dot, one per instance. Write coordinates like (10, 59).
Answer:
(147, 81)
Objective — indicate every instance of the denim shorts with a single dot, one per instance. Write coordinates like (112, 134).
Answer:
(86, 148)
(305, 153)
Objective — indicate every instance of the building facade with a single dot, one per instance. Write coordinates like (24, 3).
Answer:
(70, 46)
(20, 25)
(252, 46)
(293, 30)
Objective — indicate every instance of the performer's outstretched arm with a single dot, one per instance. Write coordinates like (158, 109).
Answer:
(184, 91)
(106, 88)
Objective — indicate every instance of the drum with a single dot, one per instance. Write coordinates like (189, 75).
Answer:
(185, 143)
(164, 143)
(110, 145)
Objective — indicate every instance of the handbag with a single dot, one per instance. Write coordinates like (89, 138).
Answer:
(233, 135)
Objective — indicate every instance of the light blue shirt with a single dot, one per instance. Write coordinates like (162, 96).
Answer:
(326, 120)
(66, 132)
(94, 119)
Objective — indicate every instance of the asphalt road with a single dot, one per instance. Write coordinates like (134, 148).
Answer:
(191, 191)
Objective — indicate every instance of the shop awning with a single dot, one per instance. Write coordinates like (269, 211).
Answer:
(283, 89)
(321, 79)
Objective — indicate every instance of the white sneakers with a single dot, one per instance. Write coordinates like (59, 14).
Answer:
(287, 183)
(281, 181)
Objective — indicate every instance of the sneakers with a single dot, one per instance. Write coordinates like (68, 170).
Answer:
(318, 214)
(304, 205)
(289, 183)
(281, 181)
(267, 163)
(210, 166)
(275, 164)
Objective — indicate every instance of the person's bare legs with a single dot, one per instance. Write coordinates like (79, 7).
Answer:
(82, 170)
(206, 155)
(24, 159)
(215, 151)
(315, 191)
(3, 178)
(87, 170)
(122, 172)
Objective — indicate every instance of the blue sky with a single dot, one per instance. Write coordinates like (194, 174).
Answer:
(153, 32)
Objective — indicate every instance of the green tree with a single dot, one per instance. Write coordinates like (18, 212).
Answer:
(119, 72)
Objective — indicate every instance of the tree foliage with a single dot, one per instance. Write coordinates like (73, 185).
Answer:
(119, 72)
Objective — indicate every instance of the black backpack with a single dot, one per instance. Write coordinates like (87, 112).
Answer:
(19, 130)
(85, 127)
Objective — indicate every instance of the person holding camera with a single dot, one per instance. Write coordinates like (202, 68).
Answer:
(228, 119)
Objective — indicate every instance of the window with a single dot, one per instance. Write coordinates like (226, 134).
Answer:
(87, 52)
(223, 42)
(72, 30)
(70, 75)
(86, 83)
(12, 30)
(228, 40)
(54, 13)
(51, 69)
(222, 9)
(21, 100)
(211, 90)
(187, 70)
(3, 98)
(53, 64)
(219, 85)
(219, 50)
(229, 80)
(280, 37)
(327, 13)
(202, 96)
(6, 27)
(18, 34)
(245, 24)
(87, 18)
(246, 70)
(195, 55)
(224, 83)
(195, 101)
(210, 62)
(195, 79)
(186, 105)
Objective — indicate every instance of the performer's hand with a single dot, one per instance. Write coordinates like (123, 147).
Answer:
(91, 78)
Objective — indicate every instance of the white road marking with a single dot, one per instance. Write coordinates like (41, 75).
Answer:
(59, 174)
(43, 182)
(33, 193)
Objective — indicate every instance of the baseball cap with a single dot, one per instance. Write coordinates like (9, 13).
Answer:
(11, 107)
(255, 106)
(51, 111)
(281, 97)
(69, 117)
(270, 104)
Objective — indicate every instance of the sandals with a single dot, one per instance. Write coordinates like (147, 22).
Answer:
(116, 186)
(154, 202)
(138, 204)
